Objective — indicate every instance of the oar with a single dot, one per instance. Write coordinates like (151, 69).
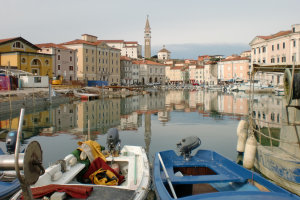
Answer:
(167, 176)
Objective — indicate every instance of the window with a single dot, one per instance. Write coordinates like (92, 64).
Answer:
(58, 50)
(283, 45)
(23, 60)
(273, 47)
(254, 51)
(71, 58)
(92, 59)
(86, 51)
(92, 51)
(37, 79)
(258, 50)
(264, 49)
(86, 59)
(58, 67)
(264, 60)
(71, 68)
(278, 59)
(294, 43)
(47, 62)
(18, 45)
(87, 68)
(283, 59)
(277, 46)
(58, 57)
(93, 68)
(272, 60)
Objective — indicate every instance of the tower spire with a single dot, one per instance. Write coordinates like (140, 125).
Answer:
(147, 36)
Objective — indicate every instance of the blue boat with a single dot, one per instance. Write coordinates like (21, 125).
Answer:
(7, 186)
(209, 175)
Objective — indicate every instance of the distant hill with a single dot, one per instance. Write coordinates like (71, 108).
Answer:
(192, 51)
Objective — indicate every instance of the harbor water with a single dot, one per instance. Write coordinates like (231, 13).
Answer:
(157, 121)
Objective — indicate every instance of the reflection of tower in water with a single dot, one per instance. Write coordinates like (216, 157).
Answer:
(147, 135)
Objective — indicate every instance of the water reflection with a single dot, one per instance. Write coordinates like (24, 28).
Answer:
(157, 120)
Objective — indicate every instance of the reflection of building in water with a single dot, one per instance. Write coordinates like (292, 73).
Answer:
(147, 135)
(153, 101)
(268, 109)
(163, 116)
(129, 105)
(102, 115)
(64, 117)
(233, 105)
(33, 123)
(130, 122)
(211, 101)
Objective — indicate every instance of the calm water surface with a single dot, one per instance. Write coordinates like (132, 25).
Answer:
(156, 121)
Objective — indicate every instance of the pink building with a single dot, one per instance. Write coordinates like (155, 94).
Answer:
(234, 68)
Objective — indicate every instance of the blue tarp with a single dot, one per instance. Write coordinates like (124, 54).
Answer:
(97, 83)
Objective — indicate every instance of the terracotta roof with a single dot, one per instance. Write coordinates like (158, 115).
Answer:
(235, 58)
(146, 62)
(78, 41)
(199, 67)
(210, 62)
(177, 67)
(52, 45)
(131, 47)
(131, 42)
(125, 58)
(111, 41)
(281, 33)
(7, 39)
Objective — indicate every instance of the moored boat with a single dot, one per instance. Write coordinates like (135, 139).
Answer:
(209, 175)
(130, 177)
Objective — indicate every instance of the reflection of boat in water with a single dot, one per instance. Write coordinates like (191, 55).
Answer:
(85, 95)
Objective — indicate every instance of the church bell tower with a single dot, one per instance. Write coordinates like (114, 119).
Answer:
(147, 36)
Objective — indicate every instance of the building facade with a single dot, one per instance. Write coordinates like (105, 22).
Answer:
(131, 49)
(95, 59)
(64, 60)
(210, 75)
(279, 49)
(126, 71)
(234, 68)
(150, 72)
(20, 54)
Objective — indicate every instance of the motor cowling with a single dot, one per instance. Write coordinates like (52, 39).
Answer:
(113, 140)
(11, 140)
(186, 145)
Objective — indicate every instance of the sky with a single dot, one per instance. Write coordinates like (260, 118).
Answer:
(188, 28)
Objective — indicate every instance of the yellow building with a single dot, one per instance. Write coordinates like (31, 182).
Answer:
(20, 54)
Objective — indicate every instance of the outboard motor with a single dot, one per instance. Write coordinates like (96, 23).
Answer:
(113, 141)
(11, 139)
(188, 144)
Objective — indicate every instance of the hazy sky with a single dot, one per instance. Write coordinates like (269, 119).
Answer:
(173, 22)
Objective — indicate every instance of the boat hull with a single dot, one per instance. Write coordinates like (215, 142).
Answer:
(211, 176)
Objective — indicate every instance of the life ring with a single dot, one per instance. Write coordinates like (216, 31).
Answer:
(295, 92)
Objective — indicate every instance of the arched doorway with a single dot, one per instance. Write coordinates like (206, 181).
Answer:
(150, 80)
(155, 80)
(36, 66)
(143, 81)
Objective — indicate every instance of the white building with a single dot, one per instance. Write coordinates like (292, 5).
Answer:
(279, 49)
(164, 54)
(129, 49)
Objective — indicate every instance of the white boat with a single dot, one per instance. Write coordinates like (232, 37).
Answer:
(85, 95)
(257, 86)
(133, 164)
